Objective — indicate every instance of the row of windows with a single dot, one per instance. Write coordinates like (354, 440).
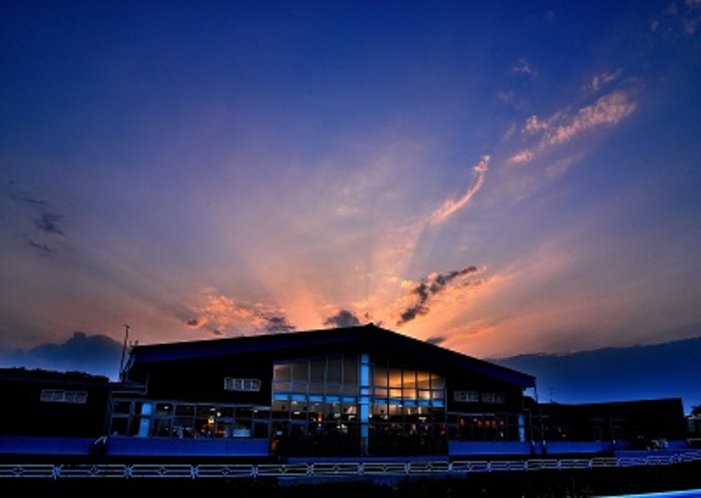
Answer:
(344, 371)
(486, 427)
(61, 396)
(231, 384)
(474, 397)
(336, 377)
(186, 420)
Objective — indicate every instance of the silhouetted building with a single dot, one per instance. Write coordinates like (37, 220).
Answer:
(44, 403)
(641, 423)
(351, 391)
(360, 391)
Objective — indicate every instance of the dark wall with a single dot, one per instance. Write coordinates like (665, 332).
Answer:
(203, 379)
(23, 414)
(633, 421)
(513, 395)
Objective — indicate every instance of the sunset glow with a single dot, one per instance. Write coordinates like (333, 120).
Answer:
(496, 178)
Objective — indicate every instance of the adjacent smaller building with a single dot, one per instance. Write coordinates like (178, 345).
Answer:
(640, 424)
(43, 403)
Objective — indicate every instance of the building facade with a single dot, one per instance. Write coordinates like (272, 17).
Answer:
(357, 391)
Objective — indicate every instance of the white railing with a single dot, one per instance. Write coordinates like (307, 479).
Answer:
(331, 469)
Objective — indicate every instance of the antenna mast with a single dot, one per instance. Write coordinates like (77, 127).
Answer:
(124, 351)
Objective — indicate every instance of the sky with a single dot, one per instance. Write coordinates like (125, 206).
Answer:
(498, 178)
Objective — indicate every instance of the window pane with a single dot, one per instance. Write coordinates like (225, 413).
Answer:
(395, 377)
(334, 373)
(380, 376)
(283, 373)
(437, 382)
(122, 406)
(225, 412)
(300, 372)
(318, 368)
(163, 409)
(409, 378)
(184, 409)
(423, 380)
(350, 370)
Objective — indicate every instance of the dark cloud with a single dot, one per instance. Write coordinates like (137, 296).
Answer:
(343, 318)
(48, 223)
(436, 340)
(411, 313)
(41, 248)
(278, 325)
(428, 289)
(94, 354)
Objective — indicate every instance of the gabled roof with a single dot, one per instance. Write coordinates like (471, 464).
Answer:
(370, 335)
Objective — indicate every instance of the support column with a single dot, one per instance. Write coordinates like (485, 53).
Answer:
(364, 404)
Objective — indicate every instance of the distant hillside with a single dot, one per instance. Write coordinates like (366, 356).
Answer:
(666, 370)
(96, 354)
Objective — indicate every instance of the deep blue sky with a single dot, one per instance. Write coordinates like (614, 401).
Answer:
(497, 177)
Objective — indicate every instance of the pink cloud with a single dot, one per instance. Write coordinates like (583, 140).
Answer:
(560, 128)
(451, 206)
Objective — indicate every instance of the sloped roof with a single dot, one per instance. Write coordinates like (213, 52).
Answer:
(370, 334)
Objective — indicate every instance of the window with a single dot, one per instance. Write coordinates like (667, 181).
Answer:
(76, 397)
(466, 396)
(493, 397)
(60, 396)
(231, 384)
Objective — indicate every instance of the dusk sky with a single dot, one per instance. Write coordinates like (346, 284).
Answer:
(495, 177)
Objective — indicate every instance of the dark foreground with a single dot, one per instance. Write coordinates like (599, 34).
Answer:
(533, 484)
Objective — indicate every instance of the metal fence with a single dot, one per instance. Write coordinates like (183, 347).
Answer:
(332, 469)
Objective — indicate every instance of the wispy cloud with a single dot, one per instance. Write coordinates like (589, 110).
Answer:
(523, 67)
(40, 247)
(601, 80)
(19, 196)
(681, 18)
(563, 127)
(451, 206)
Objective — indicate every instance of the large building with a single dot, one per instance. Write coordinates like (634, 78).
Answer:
(357, 392)
(351, 391)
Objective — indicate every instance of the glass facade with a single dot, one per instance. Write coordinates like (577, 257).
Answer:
(348, 404)
(352, 404)
(141, 418)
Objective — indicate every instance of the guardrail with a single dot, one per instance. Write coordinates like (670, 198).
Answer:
(331, 469)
